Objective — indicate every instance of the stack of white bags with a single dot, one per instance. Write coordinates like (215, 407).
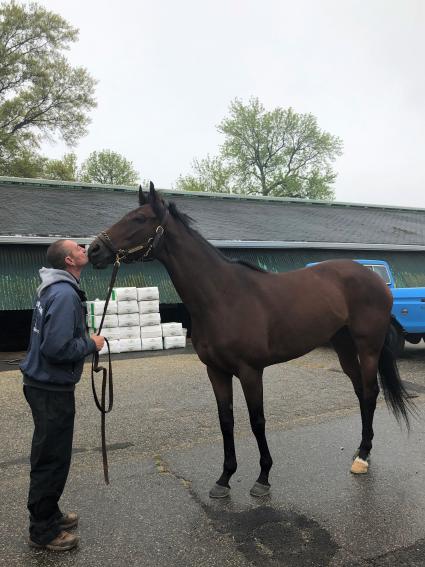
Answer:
(133, 322)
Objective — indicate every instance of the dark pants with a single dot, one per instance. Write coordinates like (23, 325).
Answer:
(53, 414)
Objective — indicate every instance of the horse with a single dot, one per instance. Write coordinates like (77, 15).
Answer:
(245, 318)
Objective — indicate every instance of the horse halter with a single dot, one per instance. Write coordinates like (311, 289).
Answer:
(150, 245)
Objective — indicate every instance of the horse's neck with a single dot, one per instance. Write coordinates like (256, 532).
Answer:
(197, 271)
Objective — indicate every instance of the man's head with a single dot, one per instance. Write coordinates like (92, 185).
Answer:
(67, 255)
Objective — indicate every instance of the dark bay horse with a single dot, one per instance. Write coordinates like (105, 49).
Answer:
(244, 319)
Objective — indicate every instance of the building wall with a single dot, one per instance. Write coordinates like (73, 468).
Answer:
(19, 265)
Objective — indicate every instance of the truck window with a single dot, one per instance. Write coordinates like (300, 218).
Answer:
(381, 271)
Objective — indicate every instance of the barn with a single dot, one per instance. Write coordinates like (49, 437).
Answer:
(278, 234)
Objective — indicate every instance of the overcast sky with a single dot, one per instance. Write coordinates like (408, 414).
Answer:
(167, 71)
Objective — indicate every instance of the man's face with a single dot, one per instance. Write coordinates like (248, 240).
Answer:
(77, 255)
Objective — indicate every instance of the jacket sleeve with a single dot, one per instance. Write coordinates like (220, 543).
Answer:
(58, 343)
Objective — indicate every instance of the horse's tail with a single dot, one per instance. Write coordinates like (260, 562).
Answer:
(395, 393)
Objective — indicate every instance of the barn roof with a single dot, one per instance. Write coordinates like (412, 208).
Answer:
(38, 208)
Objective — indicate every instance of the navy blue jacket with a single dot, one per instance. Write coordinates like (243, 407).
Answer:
(59, 341)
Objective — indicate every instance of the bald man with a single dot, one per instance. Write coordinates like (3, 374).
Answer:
(53, 365)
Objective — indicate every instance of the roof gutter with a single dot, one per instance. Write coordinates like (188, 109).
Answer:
(258, 244)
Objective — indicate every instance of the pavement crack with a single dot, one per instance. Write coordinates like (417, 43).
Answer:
(163, 467)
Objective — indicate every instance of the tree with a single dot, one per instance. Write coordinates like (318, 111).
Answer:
(210, 174)
(64, 169)
(24, 164)
(41, 94)
(108, 167)
(274, 153)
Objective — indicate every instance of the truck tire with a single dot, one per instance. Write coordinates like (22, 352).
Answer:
(395, 340)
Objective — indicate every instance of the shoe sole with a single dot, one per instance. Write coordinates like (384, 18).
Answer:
(52, 547)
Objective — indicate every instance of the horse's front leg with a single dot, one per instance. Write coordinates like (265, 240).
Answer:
(252, 385)
(223, 390)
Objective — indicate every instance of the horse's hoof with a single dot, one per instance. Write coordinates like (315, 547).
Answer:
(218, 491)
(259, 489)
(359, 466)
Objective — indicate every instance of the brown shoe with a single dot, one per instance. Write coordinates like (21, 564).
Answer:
(69, 521)
(62, 542)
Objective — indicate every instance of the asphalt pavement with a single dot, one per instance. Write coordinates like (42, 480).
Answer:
(165, 453)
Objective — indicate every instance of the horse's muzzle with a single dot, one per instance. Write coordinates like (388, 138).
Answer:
(99, 256)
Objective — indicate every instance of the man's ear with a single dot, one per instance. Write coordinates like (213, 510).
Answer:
(156, 202)
(142, 197)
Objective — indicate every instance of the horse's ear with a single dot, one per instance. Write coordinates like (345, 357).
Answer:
(156, 202)
(142, 197)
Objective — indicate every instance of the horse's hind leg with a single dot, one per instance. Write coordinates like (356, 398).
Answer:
(368, 357)
(361, 368)
(223, 390)
(252, 385)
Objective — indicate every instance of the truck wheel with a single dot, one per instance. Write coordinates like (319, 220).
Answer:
(395, 340)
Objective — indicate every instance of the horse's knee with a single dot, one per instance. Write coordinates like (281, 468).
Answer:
(227, 425)
(258, 424)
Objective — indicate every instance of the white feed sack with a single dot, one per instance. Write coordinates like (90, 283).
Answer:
(129, 306)
(175, 342)
(148, 319)
(93, 321)
(128, 345)
(129, 332)
(172, 329)
(114, 347)
(151, 331)
(129, 320)
(97, 306)
(147, 293)
(149, 306)
(154, 343)
(124, 293)
(111, 333)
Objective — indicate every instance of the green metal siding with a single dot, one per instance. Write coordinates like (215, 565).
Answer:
(19, 279)
(408, 267)
(19, 265)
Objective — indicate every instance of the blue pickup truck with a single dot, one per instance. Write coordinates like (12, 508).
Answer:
(408, 312)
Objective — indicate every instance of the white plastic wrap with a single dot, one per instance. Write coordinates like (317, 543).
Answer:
(152, 343)
(151, 331)
(127, 307)
(149, 306)
(174, 342)
(172, 329)
(147, 319)
(147, 293)
(124, 293)
(129, 320)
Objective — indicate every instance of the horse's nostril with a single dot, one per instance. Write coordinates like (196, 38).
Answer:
(94, 248)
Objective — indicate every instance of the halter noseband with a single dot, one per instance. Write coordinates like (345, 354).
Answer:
(150, 245)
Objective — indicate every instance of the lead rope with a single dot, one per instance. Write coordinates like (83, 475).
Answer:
(106, 376)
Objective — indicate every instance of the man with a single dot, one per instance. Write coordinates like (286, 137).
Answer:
(53, 365)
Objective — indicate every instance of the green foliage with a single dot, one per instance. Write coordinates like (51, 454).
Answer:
(41, 95)
(24, 164)
(210, 175)
(108, 167)
(64, 169)
(276, 153)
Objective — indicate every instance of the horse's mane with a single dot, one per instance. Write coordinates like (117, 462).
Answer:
(188, 221)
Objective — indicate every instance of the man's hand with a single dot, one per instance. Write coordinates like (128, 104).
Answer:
(99, 340)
